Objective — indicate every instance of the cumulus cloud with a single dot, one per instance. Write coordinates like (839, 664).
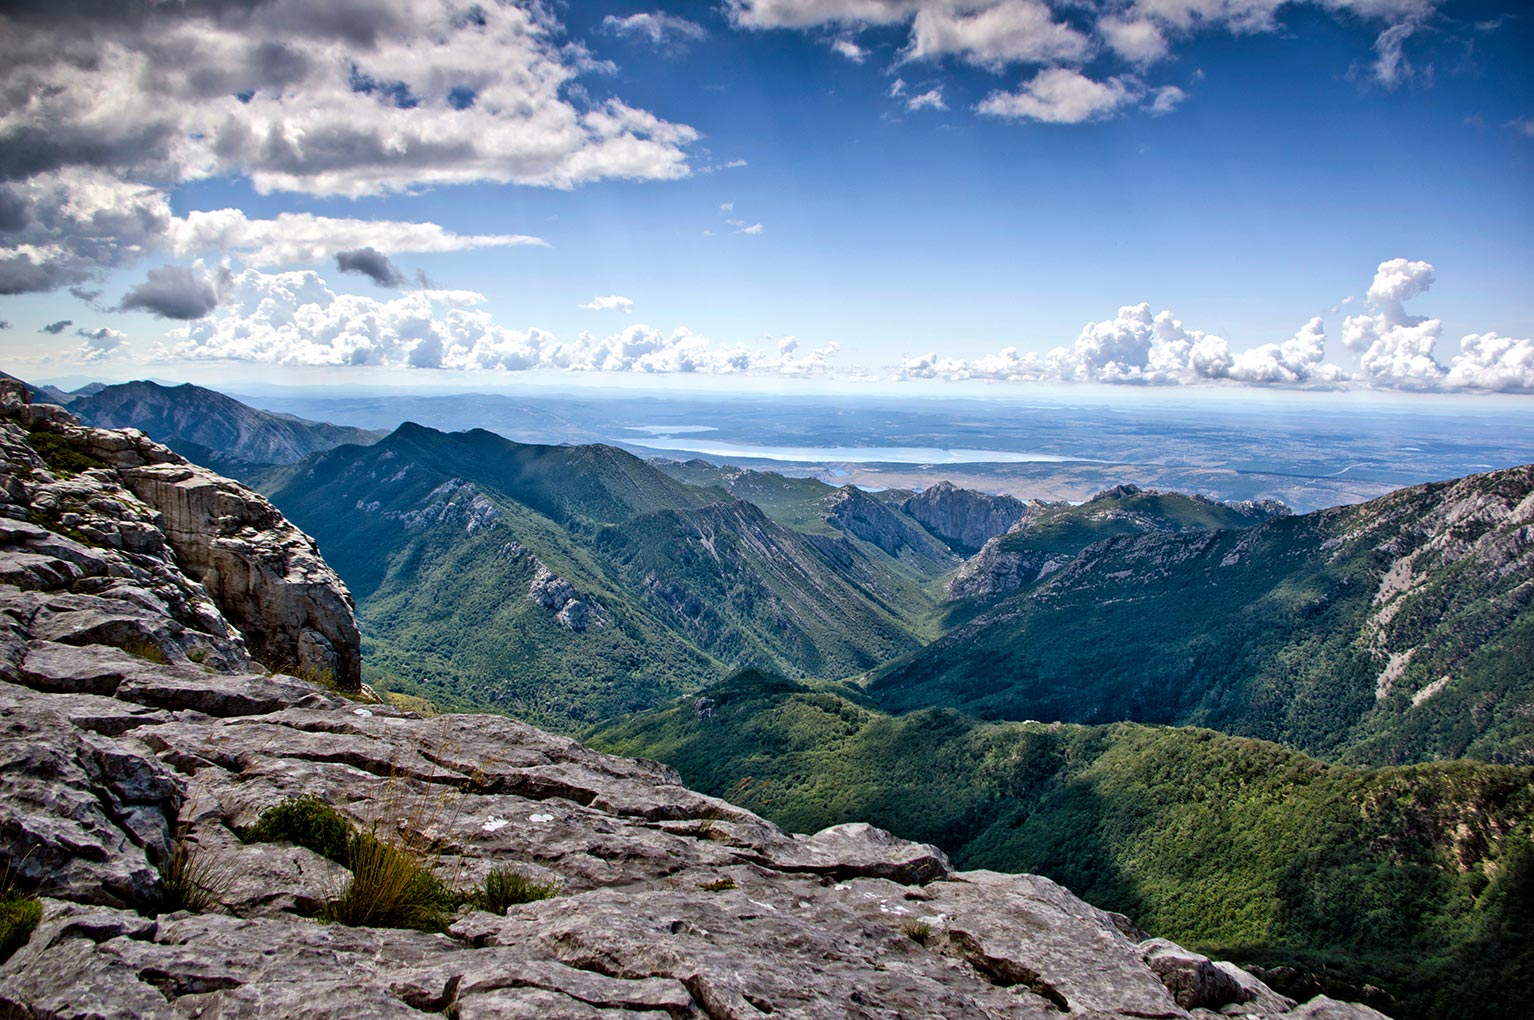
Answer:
(294, 318)
(55, 328)
(1065, 34)
(99, 344)
(304, 237)
(1059, 95)
(929, 100)
(995, 35)
(105, 106)
(176, 292)
(849, 49)
(1396, 351)
(659, 28)
(610, 303)
(372, 263)
(1138, 40)
(1300, 359)
(1490, 362)
(1395, 348)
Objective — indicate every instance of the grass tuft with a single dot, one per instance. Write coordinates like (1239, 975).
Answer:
(61, 458)
(504, 887)
(718, 885)
(917, 931)
(20, 913)
(391, 887)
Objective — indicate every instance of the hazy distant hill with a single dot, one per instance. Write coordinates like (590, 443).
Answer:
(209, 428)
(1418, 881)
(1395, 630)
(570, 584)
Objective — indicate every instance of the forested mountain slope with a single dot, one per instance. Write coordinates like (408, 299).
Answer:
(1391, 631)
(1416, 881)
(569, 584)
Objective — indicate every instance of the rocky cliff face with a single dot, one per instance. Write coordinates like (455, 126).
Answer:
(855, 512)
(135, 738)
(964, 518)
(201, 565)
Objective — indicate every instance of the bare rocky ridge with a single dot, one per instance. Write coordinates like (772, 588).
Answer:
(964, 518)
(131, 720)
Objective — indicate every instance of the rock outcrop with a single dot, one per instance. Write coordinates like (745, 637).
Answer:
(138, 744)
(964, 518)
(206, 567)
(855, 512)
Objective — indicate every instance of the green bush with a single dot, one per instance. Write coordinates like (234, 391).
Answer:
(505, 887)
(309, 822)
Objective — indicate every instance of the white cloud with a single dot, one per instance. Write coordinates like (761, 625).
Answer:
(1396, 349)
(1139, 40)
(609, 303)
(660, 28)
(1166, 99)
(1058, 95)
(1300, 359)
(929, 100)
(999, 33)
(849, 49)
(995, 35)
(726, 206)
(104, 106)
(306, 238)
(809, 13)
(294, 318)
(99, 344)
(753, 229)
(1490, 362)
(897, 88)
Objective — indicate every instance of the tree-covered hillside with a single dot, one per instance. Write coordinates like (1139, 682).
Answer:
(571, 584)
(1415, 880)
(1393, 631)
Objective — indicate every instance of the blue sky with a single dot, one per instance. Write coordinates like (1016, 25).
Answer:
(853, 192)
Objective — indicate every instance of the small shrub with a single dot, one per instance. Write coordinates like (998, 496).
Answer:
(309, 822)
(61, 458)
(917, 931)
(391, 887)
(718, 885)
(20, 913)
(505, 887)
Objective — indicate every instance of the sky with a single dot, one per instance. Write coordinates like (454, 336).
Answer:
(1331, 194)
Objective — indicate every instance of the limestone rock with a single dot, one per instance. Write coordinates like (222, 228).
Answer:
(964, 518)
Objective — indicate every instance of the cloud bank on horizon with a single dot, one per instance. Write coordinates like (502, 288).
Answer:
(295, 319)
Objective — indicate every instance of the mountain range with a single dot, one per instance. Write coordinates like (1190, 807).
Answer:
(209, 428)
(1156, 697)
